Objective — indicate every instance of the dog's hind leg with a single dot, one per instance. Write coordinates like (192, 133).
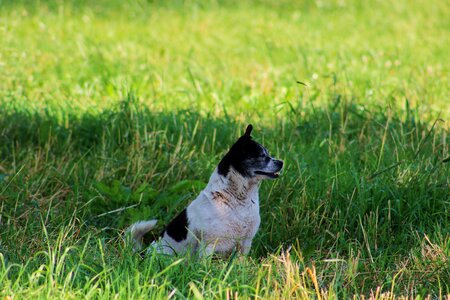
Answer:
(207, 251)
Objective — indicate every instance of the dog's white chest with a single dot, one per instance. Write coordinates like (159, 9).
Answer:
(214, 219)
(243, 223)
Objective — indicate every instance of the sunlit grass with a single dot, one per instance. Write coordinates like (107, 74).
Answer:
(234, 57)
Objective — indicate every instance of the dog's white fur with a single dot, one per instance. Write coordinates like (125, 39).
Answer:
(223, 218)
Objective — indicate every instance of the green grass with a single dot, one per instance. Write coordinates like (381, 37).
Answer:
(116, 111)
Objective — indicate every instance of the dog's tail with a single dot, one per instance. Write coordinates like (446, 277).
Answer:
(136, 232)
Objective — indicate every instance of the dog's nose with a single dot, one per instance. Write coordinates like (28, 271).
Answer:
(279, 163)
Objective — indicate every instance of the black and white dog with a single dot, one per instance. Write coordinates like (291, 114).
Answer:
(225, 216)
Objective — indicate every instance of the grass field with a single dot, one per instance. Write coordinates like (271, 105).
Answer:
(117, 111)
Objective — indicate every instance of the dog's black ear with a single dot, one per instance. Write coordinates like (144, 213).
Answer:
(249, 129)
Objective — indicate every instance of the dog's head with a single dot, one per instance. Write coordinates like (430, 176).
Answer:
(250, 159)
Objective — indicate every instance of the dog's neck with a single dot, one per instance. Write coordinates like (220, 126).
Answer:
(234, 189)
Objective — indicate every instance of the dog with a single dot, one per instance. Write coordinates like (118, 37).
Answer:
(225, 216)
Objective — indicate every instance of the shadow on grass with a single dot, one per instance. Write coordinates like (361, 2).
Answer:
(354, 179)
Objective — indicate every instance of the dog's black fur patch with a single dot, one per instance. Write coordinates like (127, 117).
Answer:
(178, 227)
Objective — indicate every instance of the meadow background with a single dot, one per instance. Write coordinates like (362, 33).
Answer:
(117, 111)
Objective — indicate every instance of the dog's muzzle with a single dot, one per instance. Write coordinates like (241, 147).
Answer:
(276, 173)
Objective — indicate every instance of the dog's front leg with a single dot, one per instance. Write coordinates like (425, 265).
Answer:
(245, 245)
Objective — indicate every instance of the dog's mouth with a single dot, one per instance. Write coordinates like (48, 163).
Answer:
(268, 174)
